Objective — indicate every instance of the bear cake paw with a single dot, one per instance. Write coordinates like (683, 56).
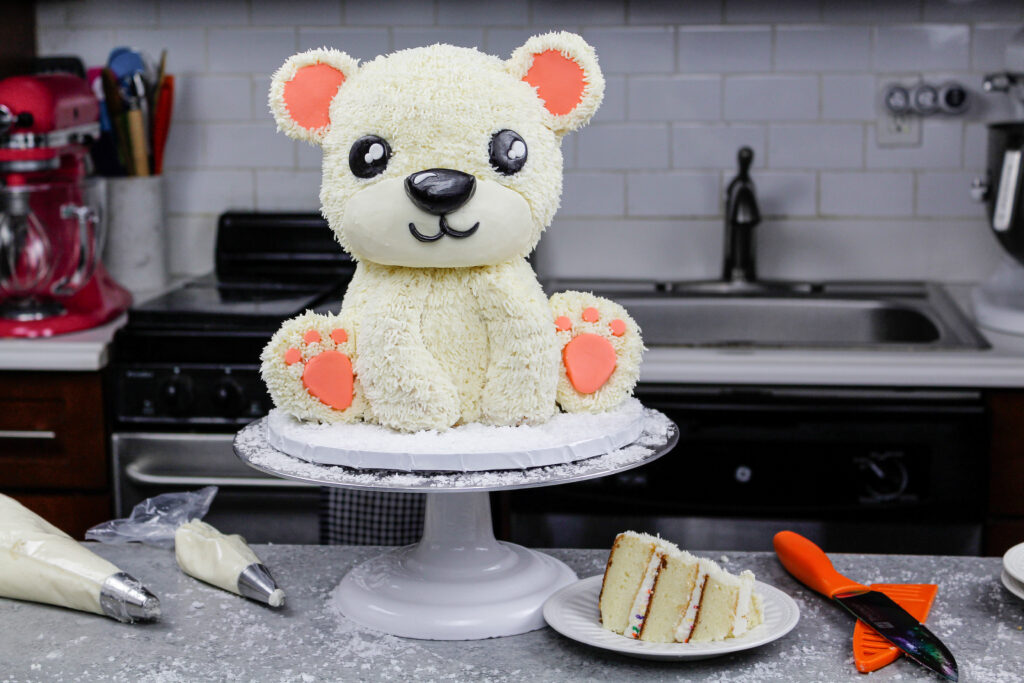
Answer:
(601, 349)
(307, 367)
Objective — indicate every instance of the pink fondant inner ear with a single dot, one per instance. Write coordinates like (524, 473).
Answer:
(308, 95)
(558, 79)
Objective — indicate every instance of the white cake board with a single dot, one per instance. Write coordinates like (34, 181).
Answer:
(458, 582)
(566, 437)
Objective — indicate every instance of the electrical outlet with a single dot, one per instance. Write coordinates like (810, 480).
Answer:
(898, 130)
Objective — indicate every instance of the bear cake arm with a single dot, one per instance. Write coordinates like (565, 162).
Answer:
(521, 375)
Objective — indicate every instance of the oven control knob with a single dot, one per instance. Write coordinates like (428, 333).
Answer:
(227, 396)
(884, 478)
(176, 395)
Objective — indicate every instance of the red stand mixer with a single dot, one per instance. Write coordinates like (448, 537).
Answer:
(51, 223)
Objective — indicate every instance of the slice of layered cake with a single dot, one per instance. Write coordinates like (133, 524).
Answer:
(654, 591)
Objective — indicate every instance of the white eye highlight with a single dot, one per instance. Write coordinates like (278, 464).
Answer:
(517, 150)
(422, 176)
(375, 152)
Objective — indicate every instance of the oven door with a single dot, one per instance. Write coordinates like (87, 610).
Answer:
(261, 508)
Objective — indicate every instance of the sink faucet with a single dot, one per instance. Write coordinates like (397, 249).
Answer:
(741, 217)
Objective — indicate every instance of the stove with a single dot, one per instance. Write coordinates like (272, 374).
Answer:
(184, 373)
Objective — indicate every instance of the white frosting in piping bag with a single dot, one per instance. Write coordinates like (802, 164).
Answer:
(41, 563)
(213, 557)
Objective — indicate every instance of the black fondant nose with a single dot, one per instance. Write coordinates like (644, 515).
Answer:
(440, 190)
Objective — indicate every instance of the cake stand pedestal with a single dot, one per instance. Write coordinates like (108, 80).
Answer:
(458, 582)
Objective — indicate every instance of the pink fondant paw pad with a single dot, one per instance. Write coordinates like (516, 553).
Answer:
(327, 372)
(601, 349)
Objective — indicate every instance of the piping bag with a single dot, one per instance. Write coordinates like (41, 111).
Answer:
(41, 563)
(173, 520)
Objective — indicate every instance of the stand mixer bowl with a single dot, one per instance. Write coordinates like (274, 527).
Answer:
(50, 239)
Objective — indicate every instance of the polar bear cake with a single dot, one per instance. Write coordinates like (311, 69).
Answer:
(441, 168)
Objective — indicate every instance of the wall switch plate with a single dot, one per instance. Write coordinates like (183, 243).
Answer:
(898, 130)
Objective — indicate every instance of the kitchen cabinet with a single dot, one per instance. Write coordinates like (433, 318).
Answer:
(53, 453)
(1005, 524)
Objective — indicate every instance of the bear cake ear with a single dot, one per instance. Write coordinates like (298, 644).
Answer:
(302, 89)
(563, 69)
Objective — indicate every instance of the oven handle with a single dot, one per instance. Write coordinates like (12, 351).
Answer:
(139, 475)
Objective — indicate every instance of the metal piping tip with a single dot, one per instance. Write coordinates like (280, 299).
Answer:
(124, 598)
(256, 582)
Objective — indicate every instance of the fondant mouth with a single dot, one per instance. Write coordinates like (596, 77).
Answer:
(443, 229)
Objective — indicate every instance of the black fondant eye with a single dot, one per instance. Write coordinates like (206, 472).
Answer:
(369, 156)
(508, 152)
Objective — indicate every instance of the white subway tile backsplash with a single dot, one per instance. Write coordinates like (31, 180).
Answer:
(871, 11)
(921, 48)
(389, 13)
(362, 43)
(111, 13)
(190, 239)
(673, 193)
(967, 251)
(975, 146)
(674, 12)
(593, 194)
(308, 156)
(783, 193)
(250, 50)
(461, 13)
(186, 47)
(946, 194)
(675, 98)
(721, 49)
(768, 12)
(212, 98)
(51, 14)
(288, 191)
(641, 49)
(301, 12)
(827, 145)
(622, 146)
(92, 45)
(204, 13)
(502, 42)
(848, 97)
(257, 145)
(203, 191)
(973, 10)
(867, 194)
(186, 146)
(940, 148)
(988, 46)
(822, 48)
(547, 15)
(771, 98)
(715, 146)
(613, 106)
(418, 37)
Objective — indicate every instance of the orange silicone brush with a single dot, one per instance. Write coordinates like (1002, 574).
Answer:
(870, 650)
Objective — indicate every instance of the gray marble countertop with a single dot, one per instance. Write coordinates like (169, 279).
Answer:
(210, 635)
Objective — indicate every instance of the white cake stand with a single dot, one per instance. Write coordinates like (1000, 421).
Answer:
(458, 582)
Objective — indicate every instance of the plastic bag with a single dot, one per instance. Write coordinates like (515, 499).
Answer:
(154, 520)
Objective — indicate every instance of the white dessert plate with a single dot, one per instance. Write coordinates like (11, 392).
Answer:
(1013, 585)
(1013, 562)
(573, 612)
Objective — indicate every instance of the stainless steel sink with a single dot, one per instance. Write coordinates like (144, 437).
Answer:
(792, 315)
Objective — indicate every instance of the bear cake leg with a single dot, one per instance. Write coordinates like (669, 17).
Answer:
(307, 367)
(601, 349)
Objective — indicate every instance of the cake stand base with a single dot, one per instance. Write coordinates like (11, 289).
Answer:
(457, 583)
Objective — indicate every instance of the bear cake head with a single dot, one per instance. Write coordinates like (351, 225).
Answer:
(441, 156)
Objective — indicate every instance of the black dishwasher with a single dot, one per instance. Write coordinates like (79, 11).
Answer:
(856, 470)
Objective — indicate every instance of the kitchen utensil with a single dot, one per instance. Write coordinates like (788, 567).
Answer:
(162, 121)
(572, 611)
(51, 221)
(1013, 562)
(806, 561)
(115, 109)
(870, 650)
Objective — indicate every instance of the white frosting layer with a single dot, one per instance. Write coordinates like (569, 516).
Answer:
(685, 628)
(741, 620)
(638, 612)
(41, 563)
(205, 553)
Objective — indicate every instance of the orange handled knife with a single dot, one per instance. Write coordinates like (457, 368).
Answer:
(809, 565)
